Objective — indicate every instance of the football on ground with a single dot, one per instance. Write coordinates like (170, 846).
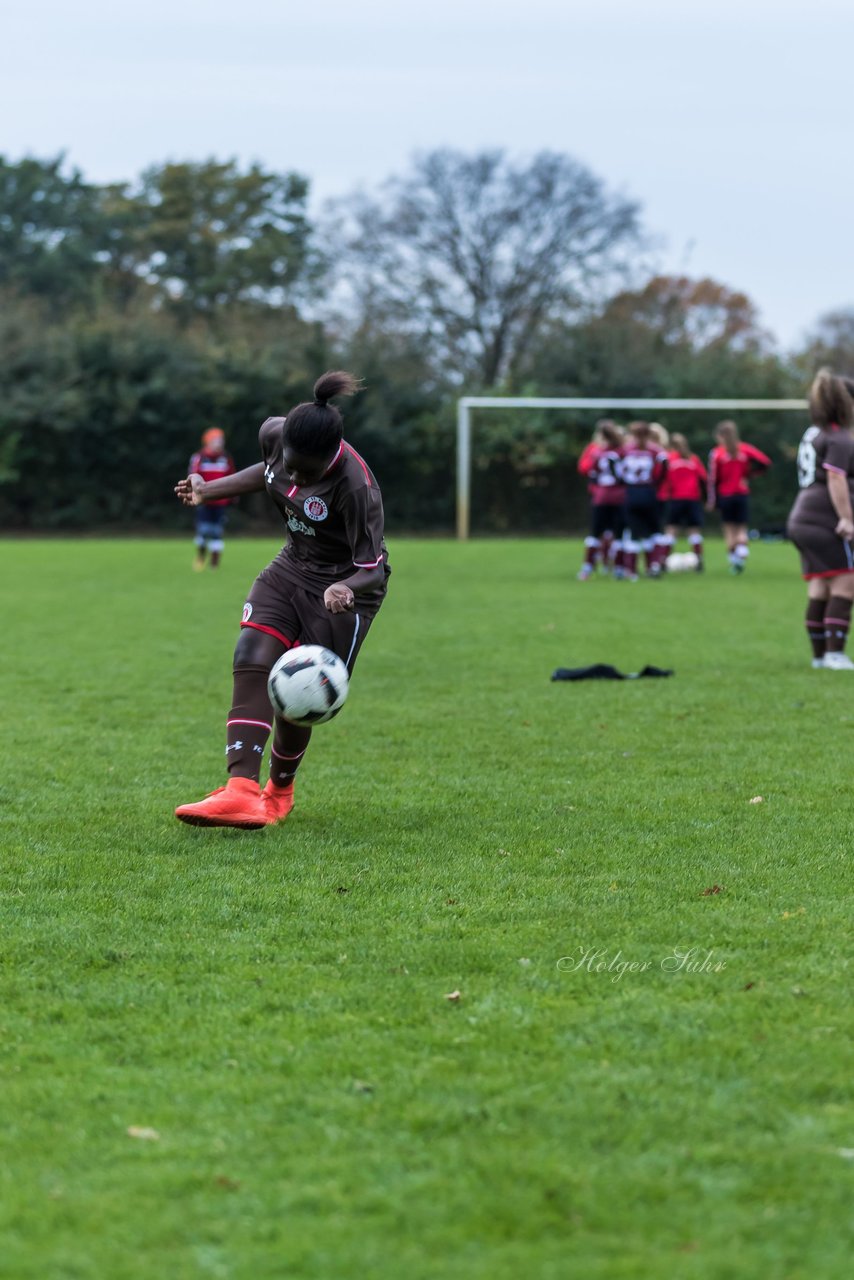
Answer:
(308, 685)
(682, 562)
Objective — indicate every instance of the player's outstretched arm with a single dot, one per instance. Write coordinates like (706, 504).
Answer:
(194, 490)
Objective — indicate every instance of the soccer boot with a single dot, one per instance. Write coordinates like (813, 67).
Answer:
(278, 801)
(817, 663)
(237, 804)
(838, 662)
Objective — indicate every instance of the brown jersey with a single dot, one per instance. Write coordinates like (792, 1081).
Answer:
(335, 525)
(813, 519)
(824, 449)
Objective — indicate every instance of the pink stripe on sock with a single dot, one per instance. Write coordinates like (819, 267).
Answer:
(262, 724)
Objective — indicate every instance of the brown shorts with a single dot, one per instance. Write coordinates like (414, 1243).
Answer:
(280, 606)
(823, 553)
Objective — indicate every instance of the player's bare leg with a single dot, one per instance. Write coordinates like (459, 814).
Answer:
(695, 542)
(737, 548)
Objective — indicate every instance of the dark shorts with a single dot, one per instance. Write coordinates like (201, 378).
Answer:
(685, 513)
(606, 518)
(210, 521)
(281, 606)
(734, 510)
(642, 520)
(823, 554)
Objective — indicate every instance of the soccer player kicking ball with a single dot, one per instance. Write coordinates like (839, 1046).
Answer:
(324, 587)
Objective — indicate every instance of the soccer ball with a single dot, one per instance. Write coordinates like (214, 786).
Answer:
(682, 562)
(308, 685)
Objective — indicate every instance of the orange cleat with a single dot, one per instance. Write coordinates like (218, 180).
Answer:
(237, 804)
(278, 801)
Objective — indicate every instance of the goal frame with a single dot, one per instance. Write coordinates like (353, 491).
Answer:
(466, 404)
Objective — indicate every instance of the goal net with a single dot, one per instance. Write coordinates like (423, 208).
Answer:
(467, 405)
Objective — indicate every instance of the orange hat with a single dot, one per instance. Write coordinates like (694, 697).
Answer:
(214, 436)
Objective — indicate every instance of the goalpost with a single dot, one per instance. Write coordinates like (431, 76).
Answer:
(468, 403)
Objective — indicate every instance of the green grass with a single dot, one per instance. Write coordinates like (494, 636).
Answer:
(274, 1004)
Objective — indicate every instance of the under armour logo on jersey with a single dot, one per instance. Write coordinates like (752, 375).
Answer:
(233, 746)
(260, 750)
(268, 474)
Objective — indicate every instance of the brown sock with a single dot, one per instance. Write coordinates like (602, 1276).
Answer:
(815, 626)
(216, 556)
(249, 722)
(289, 746)
(837, 620)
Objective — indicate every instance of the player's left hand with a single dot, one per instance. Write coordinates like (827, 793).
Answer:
(191, 491)
(338, 598)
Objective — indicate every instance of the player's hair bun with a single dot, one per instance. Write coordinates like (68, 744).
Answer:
(336, 382)
(317, 428)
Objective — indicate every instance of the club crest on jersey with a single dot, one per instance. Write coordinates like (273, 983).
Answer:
(315, 509)
(247, 612)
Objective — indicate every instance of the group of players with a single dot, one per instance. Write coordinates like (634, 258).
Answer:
(646, 487)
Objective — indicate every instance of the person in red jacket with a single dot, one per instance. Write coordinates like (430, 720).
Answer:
(599, 463)
(685, 488)
(663, 542)
(211, 462)
(731, 463)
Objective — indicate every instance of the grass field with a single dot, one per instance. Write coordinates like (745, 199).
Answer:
(273, 1005)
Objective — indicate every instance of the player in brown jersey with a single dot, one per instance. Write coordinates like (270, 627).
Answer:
(821, 523)
(324, 587)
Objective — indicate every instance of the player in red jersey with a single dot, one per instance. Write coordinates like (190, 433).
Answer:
(731, 462)
(324, 587)
(599, 463)
(211, 463)
(821, 523)
(685, 489)
(643, 466)
(663, 542)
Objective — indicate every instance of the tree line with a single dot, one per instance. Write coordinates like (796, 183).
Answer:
(134, 315)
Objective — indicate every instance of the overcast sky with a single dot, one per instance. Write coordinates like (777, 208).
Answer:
(729, 121)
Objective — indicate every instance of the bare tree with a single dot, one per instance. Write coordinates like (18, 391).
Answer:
(473, 254)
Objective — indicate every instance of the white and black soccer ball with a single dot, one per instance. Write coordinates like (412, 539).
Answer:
(308, 685)
(682, 562)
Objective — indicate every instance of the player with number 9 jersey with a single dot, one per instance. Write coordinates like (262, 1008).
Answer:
(821, 524)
